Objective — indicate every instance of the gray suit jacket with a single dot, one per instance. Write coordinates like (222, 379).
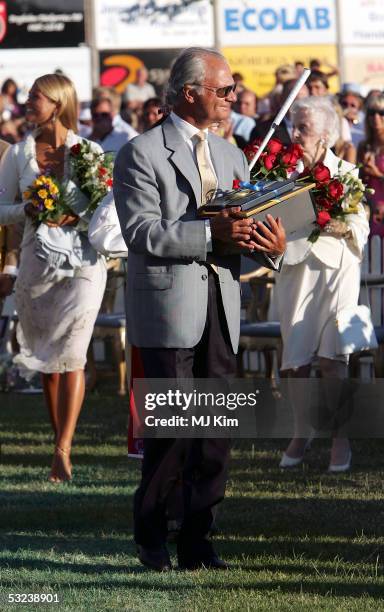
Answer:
(156, 190)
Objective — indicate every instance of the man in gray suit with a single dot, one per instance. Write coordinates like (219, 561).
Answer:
(183, 299)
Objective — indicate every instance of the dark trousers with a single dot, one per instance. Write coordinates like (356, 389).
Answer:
(196, 467)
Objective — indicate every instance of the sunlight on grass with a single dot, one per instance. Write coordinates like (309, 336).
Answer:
(298, 540)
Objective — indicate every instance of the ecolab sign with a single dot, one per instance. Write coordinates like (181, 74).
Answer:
(277, 22)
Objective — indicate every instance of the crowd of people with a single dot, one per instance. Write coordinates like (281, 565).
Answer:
(183, 301)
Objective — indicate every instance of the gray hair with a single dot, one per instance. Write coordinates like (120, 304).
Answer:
(326, 119)
(189, 67)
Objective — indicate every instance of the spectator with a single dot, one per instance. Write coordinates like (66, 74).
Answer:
(371, 154)
(9, 94)
(243, 123)
(283, 131)
(140, 91)
(318, 86)
(152, 113)
(103, 132)
(239, 80)
(115, 98)
(270, 102)
(85, 121)
(299, 67)
(246, 103)
(315, 65)
(352, 104)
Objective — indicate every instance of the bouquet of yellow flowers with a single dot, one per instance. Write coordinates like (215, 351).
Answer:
(47, 196)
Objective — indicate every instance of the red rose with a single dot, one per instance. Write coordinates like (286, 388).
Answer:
(102, 171)
(323, 217)
(335, 189)
(109, 182)
(274, 146)
(324, 203)
(269, 161)
(250, 152)
(321, 173)
(296, 149)
(236, 184)
(289, 158)
(75, 150)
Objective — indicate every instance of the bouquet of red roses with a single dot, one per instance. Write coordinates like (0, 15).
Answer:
(276, 162)
(335, 196)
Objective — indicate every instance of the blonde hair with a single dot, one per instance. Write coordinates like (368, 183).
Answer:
(60, 90)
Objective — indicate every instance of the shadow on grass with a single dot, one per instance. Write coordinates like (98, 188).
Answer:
(154, 583)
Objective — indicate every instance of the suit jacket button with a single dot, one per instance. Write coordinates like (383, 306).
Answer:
(204, 277)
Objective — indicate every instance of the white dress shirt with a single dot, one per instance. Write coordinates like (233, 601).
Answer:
(189, 132)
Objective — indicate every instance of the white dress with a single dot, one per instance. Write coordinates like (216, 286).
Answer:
(317, 281)
(56, 312)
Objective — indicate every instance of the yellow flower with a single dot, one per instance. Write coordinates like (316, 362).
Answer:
(42, 193)
(48, 203)
(38, 182)
(35, 202)
(27, 194)
(53, 189)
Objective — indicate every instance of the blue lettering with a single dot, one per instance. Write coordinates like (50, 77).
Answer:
(322, 18)
(301, 14)
(265, 19)
(232, 20)
(248, 13)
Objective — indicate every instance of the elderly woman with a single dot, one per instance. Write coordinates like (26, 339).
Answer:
(318, 280)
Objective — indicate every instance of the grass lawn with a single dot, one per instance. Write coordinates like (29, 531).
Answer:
(301, 540)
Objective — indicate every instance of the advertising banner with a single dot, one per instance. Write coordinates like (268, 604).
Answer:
(362, 22)
(119, 69)
(153, 24)
(33, 23)
(258, 64)
(364, 65)
(26, 67)
(277, 22)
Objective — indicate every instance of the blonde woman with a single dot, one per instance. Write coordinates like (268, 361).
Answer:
(57, 300)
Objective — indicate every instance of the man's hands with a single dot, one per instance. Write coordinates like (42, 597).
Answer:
(270, 240)
(229, 227)
(6, 284)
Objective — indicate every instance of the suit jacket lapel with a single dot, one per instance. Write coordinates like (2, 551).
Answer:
(181, 156)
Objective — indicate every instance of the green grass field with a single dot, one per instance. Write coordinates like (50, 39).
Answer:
(301, 540)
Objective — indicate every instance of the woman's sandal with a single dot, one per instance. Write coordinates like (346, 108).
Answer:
(61, 470)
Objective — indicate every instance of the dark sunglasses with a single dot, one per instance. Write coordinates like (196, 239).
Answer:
(221, 92)
(101, 116)
(373, 111)
(348, 105)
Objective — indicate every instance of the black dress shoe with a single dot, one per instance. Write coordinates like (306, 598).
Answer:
(198, 554)
(155, 558)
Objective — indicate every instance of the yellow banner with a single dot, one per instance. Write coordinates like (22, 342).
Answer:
(258, 64)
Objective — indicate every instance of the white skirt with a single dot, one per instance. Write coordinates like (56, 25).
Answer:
(56, 315)
(309, 296)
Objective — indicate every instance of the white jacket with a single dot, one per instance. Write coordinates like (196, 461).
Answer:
(327, 249)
